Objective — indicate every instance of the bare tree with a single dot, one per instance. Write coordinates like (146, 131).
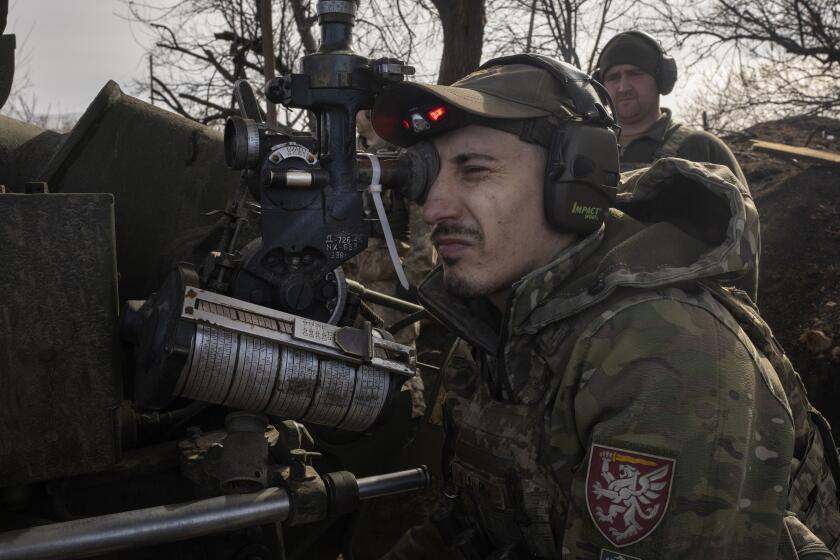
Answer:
(463, 37)
(202, 46)
(783, 55)
(571, 30)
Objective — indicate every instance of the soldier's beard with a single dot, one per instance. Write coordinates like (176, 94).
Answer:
(459, 286)
(628, 109)
(457, 282)
(473, 284)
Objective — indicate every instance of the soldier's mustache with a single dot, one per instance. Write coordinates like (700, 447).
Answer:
(448, 228)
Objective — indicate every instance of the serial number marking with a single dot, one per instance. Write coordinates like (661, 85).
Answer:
(341, 245)
(314, 331)
(292, 150)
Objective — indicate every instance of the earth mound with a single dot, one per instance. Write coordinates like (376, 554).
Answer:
(799, 276)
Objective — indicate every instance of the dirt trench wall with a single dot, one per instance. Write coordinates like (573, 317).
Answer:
(799, 279)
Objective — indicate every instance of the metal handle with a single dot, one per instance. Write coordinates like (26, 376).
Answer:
(144, 527)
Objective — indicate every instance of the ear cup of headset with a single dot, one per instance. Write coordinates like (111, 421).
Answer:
(582, 173)
(666, 75)
(581, 177)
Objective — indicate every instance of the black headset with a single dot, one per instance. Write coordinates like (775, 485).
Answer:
(666, 66)
(582, 171)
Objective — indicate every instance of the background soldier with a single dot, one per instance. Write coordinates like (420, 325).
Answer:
(636, 70)
(604, 402)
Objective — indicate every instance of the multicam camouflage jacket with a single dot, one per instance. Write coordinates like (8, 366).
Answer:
(618, 409)
(668, 138)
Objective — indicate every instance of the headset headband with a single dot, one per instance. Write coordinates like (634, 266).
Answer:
(588, 101)
(641, 34)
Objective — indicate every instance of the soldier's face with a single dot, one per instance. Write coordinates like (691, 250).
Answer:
(486, 209)
(365, 128)
(634, 92)
(363, 125)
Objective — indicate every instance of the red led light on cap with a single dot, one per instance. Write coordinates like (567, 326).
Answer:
(435, 114)
(406, 124)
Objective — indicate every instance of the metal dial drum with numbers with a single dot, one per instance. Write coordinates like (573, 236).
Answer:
(259, 359)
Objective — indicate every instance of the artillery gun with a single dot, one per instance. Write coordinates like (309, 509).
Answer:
(165, 403)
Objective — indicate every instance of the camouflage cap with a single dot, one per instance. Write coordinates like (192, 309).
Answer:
(405, 113)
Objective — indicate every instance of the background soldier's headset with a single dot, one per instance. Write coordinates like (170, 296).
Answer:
(666, 66)
(582, 170)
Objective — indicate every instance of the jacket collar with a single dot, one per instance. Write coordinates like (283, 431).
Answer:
(680, 222)
(477, 321)
(659, 130)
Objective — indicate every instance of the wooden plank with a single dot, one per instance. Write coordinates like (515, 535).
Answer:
(798, 152)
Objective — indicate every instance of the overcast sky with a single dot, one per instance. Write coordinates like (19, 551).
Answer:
(71, 48)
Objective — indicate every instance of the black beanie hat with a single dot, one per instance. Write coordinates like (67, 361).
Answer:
(630, 48)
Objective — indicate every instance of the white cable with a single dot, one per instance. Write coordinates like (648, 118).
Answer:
(375, 190)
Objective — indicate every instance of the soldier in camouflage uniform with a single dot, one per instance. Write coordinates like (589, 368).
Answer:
(636, 70)
(605, 400)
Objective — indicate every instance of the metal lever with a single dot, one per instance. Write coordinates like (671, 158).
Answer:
(247, 101)
(144, 527)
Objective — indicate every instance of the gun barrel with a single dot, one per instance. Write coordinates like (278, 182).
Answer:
(393, 483)
(144, 527)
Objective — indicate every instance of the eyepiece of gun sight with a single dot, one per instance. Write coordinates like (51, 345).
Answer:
(337, 7)
(336, 18)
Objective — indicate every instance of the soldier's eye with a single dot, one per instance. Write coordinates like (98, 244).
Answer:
(473, 171)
